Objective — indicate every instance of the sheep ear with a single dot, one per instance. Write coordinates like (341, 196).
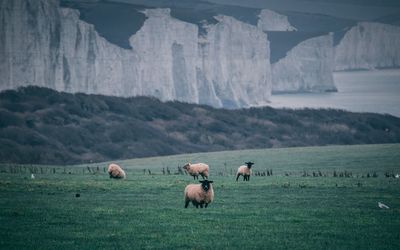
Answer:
(210, 181)
(201, 181)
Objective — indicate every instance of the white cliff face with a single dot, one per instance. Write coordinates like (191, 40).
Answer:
(23, 58)
(48, 46)
(368, 46)
(272, 21)
(307, 67)
(45, 45)
(234, 64)
(229, 66)
(88, 63)
(167, 53)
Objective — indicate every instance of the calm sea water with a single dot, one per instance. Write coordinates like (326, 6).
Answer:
(362, 91)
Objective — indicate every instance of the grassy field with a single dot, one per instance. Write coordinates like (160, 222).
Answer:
(282, 211)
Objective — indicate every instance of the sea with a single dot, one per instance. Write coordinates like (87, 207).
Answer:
(376, 91)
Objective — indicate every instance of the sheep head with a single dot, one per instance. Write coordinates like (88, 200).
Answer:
(205, 185)
(186, 166)
(249, 164)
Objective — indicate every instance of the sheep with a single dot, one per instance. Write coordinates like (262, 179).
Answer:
(199, 194)
(197, 169)
(116, 171)
(245, 171)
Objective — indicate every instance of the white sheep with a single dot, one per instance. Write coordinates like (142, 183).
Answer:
(244, 170)
(116, 171)
(199, 194)
(197, 169)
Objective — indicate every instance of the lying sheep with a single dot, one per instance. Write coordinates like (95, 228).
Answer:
(116, 171)
(199, 194)
(197, 169)
(245, 171)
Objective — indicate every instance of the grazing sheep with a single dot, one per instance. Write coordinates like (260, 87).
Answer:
(245, 171)
(197, 169)
(116, 171)
(199, 194)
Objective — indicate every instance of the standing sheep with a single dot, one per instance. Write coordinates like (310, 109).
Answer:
(245, 171)
(199, 194)
(197, 169)
(116, 171)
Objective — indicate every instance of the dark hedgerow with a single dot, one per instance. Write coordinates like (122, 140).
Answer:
(39, 125)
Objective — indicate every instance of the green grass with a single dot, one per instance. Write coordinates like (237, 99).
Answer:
(146, 211)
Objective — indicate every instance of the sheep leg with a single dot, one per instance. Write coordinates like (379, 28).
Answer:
(201, 205)
(187, 203)
(237, 177)
(248, 178)
(206, 205)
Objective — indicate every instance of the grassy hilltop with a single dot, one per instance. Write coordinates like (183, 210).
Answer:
(288, 210)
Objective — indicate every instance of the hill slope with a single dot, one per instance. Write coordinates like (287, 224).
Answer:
(39, 125)
(78, 210)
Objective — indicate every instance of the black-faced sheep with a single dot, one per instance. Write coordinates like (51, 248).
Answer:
(244, 170)
(197, 169)
(199, 194)
(116, 171)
